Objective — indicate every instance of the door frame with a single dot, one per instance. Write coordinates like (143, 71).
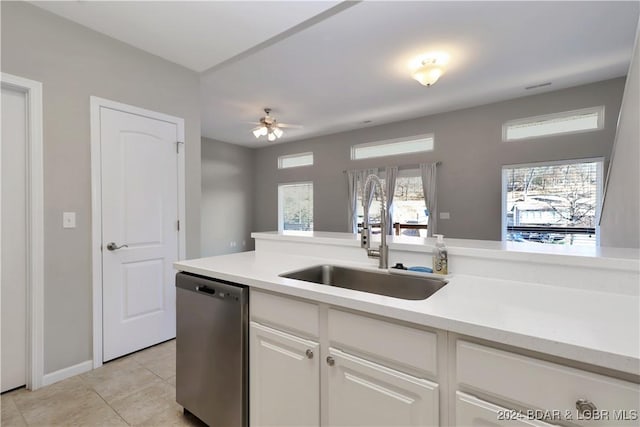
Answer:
(96, 104)
(35, 227)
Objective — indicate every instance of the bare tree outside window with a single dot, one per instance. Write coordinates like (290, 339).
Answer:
(296, 207)
(555, 203)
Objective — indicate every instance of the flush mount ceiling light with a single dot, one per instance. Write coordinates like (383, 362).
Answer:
(269, 127)
(428, 68)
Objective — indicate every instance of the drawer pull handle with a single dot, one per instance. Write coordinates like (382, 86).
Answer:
(309, 354)
(585, 407)
(330, 361)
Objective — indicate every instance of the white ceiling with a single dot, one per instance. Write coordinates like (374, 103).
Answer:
(332, 68)
(195, 34)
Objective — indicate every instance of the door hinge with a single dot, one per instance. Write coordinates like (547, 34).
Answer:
(178, 146)
(178, 225)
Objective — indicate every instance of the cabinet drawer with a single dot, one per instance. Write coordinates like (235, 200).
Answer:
(286, 313)
(538, 384)
(401, 344)
(473, 412)
(364, 393)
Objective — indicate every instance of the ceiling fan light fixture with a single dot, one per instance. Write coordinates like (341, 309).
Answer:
(268, 126)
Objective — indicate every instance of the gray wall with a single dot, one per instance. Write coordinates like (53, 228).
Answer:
(468, 142)
(227, 198)
(620, 224)
(74, 63)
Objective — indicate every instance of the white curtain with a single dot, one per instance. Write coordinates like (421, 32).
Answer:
(352, 192)
(428, 173)
(391, 173)
(355, 187)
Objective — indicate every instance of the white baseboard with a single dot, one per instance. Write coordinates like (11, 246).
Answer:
(69, 372)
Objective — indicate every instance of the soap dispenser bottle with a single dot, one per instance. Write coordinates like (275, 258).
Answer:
(440, 256)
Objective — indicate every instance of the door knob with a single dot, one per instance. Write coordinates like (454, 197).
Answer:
(330, 361)
(113, 247)
(309, 354)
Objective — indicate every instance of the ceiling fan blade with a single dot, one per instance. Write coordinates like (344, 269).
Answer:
(286, 125)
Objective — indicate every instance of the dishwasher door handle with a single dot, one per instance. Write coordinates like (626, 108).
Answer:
(206, 290)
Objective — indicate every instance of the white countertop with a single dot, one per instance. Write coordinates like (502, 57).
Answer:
(593, 327)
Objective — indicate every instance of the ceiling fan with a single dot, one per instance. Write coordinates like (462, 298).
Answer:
(270, 127)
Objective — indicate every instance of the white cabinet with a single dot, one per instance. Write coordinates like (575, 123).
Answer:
(549, 391)
(373, 372)
(284, 379)
(473, 412)
(364, 393)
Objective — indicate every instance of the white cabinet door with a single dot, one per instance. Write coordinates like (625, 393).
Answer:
(363, 393)
(284, 379)
(473, 412)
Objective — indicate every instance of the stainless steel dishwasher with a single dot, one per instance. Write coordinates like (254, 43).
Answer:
(212, 350)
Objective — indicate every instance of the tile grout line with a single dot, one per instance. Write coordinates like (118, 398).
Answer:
(19, 412)
(104, 400)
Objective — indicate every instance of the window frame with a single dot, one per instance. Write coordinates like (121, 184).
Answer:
(283, 158)
(281, 204)
(600, 110)
(599, 188)
(426, 136)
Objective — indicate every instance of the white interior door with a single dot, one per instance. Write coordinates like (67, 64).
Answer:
(14, 239)
(139, 175)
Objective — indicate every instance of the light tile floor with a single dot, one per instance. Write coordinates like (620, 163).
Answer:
(138, 390)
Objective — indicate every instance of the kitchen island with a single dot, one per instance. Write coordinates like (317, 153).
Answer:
(526, 313)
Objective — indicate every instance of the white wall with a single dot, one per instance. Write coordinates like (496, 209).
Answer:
(620, 223)
(227, 198)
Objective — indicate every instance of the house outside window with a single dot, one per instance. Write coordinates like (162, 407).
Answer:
(295, 207)
(552, 203)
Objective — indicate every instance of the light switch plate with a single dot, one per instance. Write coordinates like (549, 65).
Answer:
(445, 215)
(68, 220)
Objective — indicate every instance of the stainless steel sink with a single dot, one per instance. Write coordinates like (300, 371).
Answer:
(381, 283)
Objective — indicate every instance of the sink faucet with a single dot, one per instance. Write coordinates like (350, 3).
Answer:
(382, 253)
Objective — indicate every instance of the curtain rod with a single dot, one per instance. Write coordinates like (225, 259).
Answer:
(404, 167)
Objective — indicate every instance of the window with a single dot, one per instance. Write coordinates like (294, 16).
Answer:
(408, 201)
(414, 144)
(553, 203)
(295, 160)
(408, 206)
(295, 207)
(587, 119)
